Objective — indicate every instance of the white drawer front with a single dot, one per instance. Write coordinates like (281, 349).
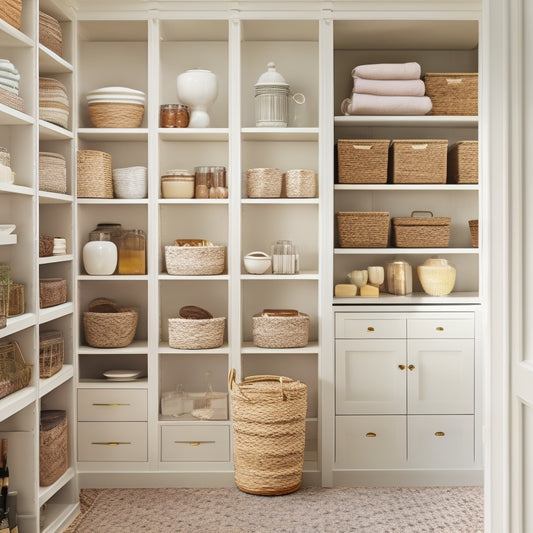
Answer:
(112, 404)
(112, 441)
(352, 326)
(371, 441)
(441, 441)
(195, 443)
(434, 328)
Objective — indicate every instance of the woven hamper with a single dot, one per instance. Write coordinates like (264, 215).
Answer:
(418, 160)
(195, 260)
(452, 93)
(280, 331)
(110, 330)
(53, 446)
(463, 162)
(51, 353)
(363, 229)
(52, 172)
(268, 415)
(94, 174)
(362, 161)
(474, 232)
(196, 334)
(11, 11)
(421, 231)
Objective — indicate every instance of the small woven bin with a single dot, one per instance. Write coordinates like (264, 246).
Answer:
(94, 174)
(268, 415)
(116, 115)
(15, 374)
(11, 11)
(11, 99)
(54, 104)
(421, 231)
(280, 331)
(52, 172)
(299, 183)
(50, 34)
(51, 353)
(53, 446)
(363, 229)
(196, 334)
(52, 291)
(463, 162)
(362, 160)
(263, 182)
(452, 93)
(474, 233)
(110, 330)
(46, 245)
(195, 260)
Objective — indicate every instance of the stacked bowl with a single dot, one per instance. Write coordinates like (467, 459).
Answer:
(116, 107)
(130, 182)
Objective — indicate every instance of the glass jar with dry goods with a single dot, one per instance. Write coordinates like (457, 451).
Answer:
(174, 116)
(285, 258)
(211, 182)
(132, 252)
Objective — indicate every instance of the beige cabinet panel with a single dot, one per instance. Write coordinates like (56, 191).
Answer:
(195, 443)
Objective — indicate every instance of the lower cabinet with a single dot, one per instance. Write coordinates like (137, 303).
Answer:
(195, 443)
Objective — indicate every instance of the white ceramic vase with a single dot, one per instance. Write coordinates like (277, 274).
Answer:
(197, 88)
(100, 258)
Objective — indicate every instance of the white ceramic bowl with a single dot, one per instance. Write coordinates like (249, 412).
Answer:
(115, 91)
(257, 262)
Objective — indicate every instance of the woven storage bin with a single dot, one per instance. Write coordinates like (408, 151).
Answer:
(52, 291)
(363, 229)
(110, 330)
(268, 414)
(94, 174)
(51, 353)
(46, 246)
(263, 182)
(280, 331)
(452, 93)
(15, 374)
(53, 446)
(195, 260)
(52, 172)
(11, 99)
(11, 11)
(299, 183)
(463, 162)
(196, 334)
(54, 104)
(474, 233)
(50, 34)
(16, 299)
(421, 232)
(418, 161)
(116, 115)
(362, 160)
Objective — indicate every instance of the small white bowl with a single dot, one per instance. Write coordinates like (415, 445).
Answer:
(257, 262)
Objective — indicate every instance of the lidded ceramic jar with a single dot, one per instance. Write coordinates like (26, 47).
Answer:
(100, 254)
(271, 99)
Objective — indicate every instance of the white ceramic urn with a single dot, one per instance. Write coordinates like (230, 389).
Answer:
(197, 88)
(100, 258)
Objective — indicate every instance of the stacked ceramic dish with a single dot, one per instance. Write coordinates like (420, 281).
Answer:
(50, 34)
(9, 85)
(116, 107)
(54, 105)
(130, 182)
(6, 174)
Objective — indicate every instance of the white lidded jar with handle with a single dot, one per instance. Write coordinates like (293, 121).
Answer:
(100, 255)
(271, 99)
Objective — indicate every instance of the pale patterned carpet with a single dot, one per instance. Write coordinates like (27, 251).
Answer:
(309, 510)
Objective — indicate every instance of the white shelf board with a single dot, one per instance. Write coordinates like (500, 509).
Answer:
(137, 346)
(18, 323)
(15, 402)
(113, 277)
(11, 188)
(193, 134)
(11, 37)
(47, 385)
(212, 201)
(12, 117)
(302, 276)
(279, 134)
(288, 201)
(250, 348)
(416, 298)
(54, 198)
(65, 258)
(113, 134)
(57, 311)
(11, 238)
(51, 63)
(169, 277)
(53, 132)
(435, 121)
(164, 348)
(45, 493)
(114, 201)
(99, 383)
(400, 251)
(405, 187)
(57, 515)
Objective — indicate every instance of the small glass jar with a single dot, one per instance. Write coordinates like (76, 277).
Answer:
(285, 258)
(132, 253)
(203, 177)
(218, 187)
(174, 116)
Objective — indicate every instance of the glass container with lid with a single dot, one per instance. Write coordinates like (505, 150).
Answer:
(271, 99)
(132, 252)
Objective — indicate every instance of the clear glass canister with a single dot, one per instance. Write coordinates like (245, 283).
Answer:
(113, 229)
(203, 177)
(132, 252)
(218, 188)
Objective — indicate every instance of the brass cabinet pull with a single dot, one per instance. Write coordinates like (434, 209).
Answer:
(370, 434)
(439, 328)
(370, 328)
(439, 433)
(111, 404)
(411, 367)
(401, 367)
(110, 443)
(194, 442)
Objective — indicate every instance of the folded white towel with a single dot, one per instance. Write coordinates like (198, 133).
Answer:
(389, 87)
(370, 104)
(388, 71)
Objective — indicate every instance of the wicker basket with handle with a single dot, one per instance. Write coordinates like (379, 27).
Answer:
(421, 231)
(452, 93)
(363, 229)
(53, 446)
(362, 160)
(268, 415)
(463, 162)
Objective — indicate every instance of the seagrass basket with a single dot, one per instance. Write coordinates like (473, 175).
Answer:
(46, 245)
(474, 232)
(421, 231)
(362, 160)
(53, 446)
(15, 374)
(52, 172)
(116, 115)
(54, 104)
(195, 260)
(463, 162)
(16, 299)
(299, 183)
(263, 182)
(363, 229)
(110, 330)
(50, 34)
(418, 160)
(94, 174)
(268, 414)
(11, 11)
(52, 291)
(51, 353)
(11, 99)
(280, 331)
(196, 334)
(452, 93)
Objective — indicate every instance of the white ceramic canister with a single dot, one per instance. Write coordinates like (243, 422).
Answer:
(100, 256)
(271, 99)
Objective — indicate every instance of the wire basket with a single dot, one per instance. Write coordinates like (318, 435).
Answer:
(15, 374)
(94, 174)
(53, 446)
(196, 334)
(463, 162)
(263, 182)
(280, 331)
(16, 299)
(195, 260)
(421, 231)
(50, 34)
(52, 291)
(363, 229)
(116, 115)
(110, 330)
(52, 172)
(51, 353)
(362, 160)
(11, 11)
(452, 93)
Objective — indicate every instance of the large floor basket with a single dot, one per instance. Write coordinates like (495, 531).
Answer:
(268, 433)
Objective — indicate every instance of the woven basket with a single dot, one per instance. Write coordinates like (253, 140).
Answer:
(52, 291)
(116, 115)
(452, 93)
(362, 161)
(263, 182)
(110, 330)
(299, 183)
(195, 260)
(268, 414)
(463, 162)
(11, 11)
(54, 104)
(196, 334)
(52, 172)
(16, 299)
(418, 161)
(46, 245)
(280, 331)
(94, 174)
(50, 34)
(51, 353)
(474, 233)
(11, 100)
(53, 446)
(363, 229)
(15, 374)
(421, 232)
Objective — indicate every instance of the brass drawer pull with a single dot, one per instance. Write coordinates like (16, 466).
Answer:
(401, 367)
(370, 328)
(439, 433)
(370, 434)
(439, 328)
(110, 443)
(194, 442)
(111, 404)
(411, 367)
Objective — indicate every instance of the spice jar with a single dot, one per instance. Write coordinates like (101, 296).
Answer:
(177, 184)
(132, 252)
(174, 116)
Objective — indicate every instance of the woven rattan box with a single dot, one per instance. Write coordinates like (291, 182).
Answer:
(53, 446)
(362, 160)
(421, 231)
(463, 162)
(94, 174)
(452, 93)
(363, 229)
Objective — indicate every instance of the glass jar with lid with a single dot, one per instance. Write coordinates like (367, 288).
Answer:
(132, 252)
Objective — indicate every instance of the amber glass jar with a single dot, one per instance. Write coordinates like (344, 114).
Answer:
(174, 116)
(132, 252)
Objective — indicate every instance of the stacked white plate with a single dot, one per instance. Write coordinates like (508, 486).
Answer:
(9, 76)
(119, 95)
(130, 182)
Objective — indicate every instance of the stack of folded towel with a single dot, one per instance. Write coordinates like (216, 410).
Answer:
(387, 89)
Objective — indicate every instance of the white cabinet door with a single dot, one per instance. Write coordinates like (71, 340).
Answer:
(370, 376)
(440, 376)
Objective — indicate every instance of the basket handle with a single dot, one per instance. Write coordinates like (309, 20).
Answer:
(361, 146)
(427, 214)
(258, 379)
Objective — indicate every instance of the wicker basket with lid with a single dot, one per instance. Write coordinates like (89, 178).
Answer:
(421, 231)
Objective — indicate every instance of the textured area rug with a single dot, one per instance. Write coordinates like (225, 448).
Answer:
(309, 510)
